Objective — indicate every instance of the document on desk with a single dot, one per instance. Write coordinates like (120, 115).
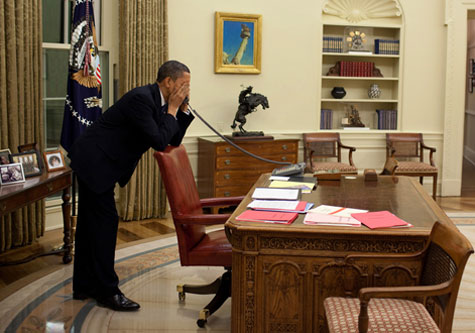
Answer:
(382, 219)
(266, 193)
(337, 211)
(305, 187)
(292, 206)
(330, 220)
(267, 216)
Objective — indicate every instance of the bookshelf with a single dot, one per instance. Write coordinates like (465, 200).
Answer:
(351, 69)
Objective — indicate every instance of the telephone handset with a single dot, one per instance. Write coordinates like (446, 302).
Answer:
(290, 170)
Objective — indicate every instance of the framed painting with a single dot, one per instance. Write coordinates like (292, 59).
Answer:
(238, 43)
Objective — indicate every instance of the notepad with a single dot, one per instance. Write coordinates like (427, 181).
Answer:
(382, 219)
(266, 216)
(266, 193)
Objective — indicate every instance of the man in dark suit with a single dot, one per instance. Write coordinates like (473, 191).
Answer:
(152, 116)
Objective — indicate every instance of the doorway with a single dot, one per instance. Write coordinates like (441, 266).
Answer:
(468, 164)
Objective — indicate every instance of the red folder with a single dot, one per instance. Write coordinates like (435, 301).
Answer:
(382, 219)
(267, 216)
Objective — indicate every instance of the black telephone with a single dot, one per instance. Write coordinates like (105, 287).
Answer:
(290, 170)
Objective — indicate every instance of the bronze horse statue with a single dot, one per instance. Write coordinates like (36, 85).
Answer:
(248, 102)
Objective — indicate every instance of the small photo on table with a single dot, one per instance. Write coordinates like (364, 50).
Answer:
(54, 160)
(5, 156)
(29, 161)
(11, 174)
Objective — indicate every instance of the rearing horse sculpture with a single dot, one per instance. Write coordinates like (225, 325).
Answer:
(248, 102)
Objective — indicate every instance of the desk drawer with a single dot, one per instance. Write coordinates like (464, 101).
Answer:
(263, 148)
(250, 163)
(232, 191)
(236, 177)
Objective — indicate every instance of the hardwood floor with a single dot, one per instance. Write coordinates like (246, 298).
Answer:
(14, 277)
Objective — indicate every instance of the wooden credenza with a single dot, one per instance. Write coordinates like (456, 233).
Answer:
(224, 171)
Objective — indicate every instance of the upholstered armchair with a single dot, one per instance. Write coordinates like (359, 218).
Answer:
(395, 309)
(321, 150)
(197, 245)
(408, 149)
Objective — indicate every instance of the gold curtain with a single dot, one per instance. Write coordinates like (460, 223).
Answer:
(143, 48)
(21, 111)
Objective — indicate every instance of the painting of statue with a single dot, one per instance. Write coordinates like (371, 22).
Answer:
(238, 43)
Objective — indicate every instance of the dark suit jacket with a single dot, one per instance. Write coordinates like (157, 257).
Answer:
(109, 150)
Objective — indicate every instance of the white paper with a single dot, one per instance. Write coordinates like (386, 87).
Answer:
(337, 211)
(276, 193)
(273, 204)
(283, 178)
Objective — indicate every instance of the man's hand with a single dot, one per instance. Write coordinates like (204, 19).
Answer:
(180, 92)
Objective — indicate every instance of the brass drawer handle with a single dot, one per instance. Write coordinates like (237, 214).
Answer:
(284, 147)
(284, 158)
(49, 187)
(227, 150)
(227, 162)
(227, 176)
(3, 207)
(227, 194)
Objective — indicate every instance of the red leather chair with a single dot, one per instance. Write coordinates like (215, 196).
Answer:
(197, 246)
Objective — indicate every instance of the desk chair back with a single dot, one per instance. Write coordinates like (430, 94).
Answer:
(404, 145)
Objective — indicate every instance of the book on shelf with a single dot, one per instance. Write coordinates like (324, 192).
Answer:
(332, 44)
(387, 119)
(356, 68)
(326, 119)
(386, 46)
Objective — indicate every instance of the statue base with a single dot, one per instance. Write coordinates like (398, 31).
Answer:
(248, 136)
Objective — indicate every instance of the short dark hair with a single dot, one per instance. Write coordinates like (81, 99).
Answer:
(173, 69)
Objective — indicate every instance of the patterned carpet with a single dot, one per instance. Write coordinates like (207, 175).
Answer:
(149, 273)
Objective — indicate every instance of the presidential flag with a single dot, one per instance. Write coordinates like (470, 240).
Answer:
(84, 97)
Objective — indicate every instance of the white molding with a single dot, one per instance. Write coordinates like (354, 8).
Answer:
(361, 10)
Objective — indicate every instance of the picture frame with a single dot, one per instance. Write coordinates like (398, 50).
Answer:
(11, 174)
(28, 147)
(5, 156)
(30, 160)
(238, 40)
(54, 160)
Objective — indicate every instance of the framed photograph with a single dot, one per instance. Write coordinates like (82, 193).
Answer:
(238, 43)
(28, 147)
(30, 161)
(54, 160)
(5, 156)
(11, 174)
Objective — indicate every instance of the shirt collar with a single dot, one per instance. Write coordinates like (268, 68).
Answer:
(162, 99)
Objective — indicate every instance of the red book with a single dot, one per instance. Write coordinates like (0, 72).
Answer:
(382, 219)
(266, 216)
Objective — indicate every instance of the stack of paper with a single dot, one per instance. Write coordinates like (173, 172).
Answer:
(306, 184)
(325, 219)
(267, 216)
(266, 193)
(333, 215)
(382, 219)
(292, 206)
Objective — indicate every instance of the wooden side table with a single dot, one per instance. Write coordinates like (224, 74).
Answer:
(13, 197)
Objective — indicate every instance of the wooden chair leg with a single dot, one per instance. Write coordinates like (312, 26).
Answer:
(434, 187)
(421, 180)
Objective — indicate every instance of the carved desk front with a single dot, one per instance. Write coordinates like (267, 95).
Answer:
(282, 273)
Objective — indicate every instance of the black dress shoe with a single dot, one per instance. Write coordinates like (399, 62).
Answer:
(118, 302)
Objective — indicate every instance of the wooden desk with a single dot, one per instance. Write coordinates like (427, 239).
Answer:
(282, 273)
(13, 197)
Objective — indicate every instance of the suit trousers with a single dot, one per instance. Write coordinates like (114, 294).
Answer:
(95, 241)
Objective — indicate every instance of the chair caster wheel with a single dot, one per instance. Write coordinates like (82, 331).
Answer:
(201, 322)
